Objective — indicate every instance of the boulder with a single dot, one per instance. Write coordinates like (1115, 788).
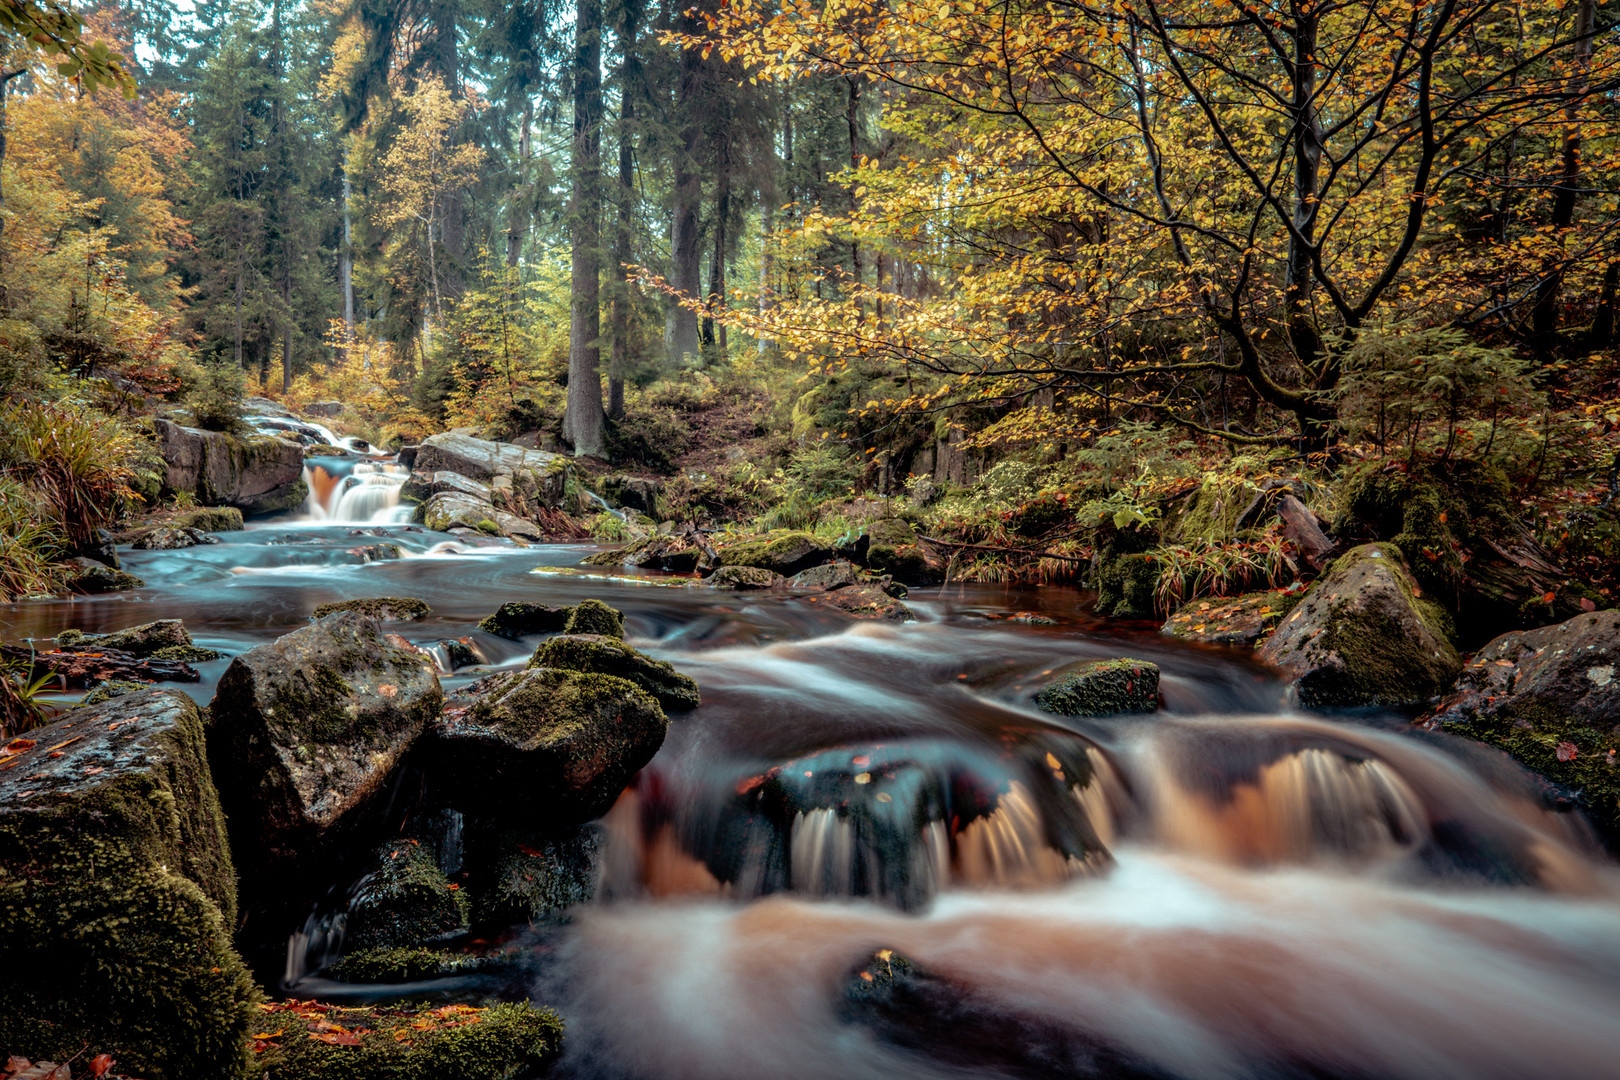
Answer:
(381, 608)
(781, 553)
(864, 602)
(556, 744)
(516, 619)
(325, 410)
(1229, 620)
(259, 474)
(113, 688)
(892, 549)
(538, 879)
(744, 578)
(118, 897)
(142, 640)
(101, 547)
(462, 652)
(1103, 688)
(89, 665)
(833, 575)
(368, 553)
(537, 475)
(422, 486)
(405, 900)
(88, 576)
(634, 493)
(1551, 698)
(306, 730)
(171, 539)
(611, 656)
(1364, 634)
(680, 553)
(450, 509)
(594, 617)
(213, 519)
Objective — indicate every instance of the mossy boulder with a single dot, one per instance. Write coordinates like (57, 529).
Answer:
(892, 549)
(1126, 586)
(1365, 634)
(745, 578)
(88, 576)
(118, 897)
(306, 731)
(405, 900)
(1551, 698)
(677, 554)
(518, 619)
(451, 509)
(1230, 620)
(211, 519)
(1103, 688)
(611, 656)
(546, 742)
(259, 474)
(455, 1042)
(113, 688)
(143, 640)
(833, 575)
(401, 964)
(381, 608)
(187, 654)
(595, 617)
(539, 879)
(781, 553)
(166, 539)
(863, 602)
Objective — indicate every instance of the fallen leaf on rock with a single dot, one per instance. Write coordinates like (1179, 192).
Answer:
(100, 1064)
(1587, 604)
(336, 1038)
(1567, 751)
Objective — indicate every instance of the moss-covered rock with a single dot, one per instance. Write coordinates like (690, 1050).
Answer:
(400, 965)
(306, 731)
(745, 578)
(544, 741)
(1230, 620)
(381, 608)
(210, 519)
(1126, 586)
(595, 617)
(187, 654)
(610, 656)
(538, 879)
(143, 640)
(117, 895)
(113, 688)
(833, 575)
(259, 474)
(405, 900)
(171, 539)
(88, 576)
(1365, 634)
(518, 619)
(863, 602)
(892, 549)
(782, 553)
(1103, 688)
(677, 554)
(1551, 698)
(454, 1042)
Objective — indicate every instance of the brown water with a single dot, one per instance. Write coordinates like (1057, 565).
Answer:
(1226, 889)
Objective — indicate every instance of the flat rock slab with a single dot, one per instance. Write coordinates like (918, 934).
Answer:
(422, 486)
(306, 731)
(117, 894)
(1551, 698)
(1365, 634)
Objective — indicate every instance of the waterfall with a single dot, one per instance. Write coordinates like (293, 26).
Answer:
(367, 495)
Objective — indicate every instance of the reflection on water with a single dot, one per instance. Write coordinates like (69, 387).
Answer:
(1223, 889)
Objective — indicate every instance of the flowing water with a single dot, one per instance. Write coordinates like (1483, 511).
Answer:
(1224, 889)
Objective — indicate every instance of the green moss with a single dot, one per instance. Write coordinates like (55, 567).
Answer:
(595, 617)
(314, 704)
(187, 654)
(116, 903)
(505, 1042)
(211, 519)
(542, 707)
(781, 552)
(537, 880)
(744, 577)
(488, 527)
(1211, 513)
(1103, 688)
(113, 688)
(397, 965)
(1532, 732)
(1125, 586)
(608, 656)
(381, 608)
(406, 900)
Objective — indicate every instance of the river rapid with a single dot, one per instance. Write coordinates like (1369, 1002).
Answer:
(1225, 889)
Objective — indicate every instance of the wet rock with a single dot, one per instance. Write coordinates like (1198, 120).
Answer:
(88, 576)
(405, 900)
(113, 688)
(258, 475)
(211, 520)
(611, 656)
(679, 553)
(102, 548)
(785, 553)
(1365, 634)
(381, 608)
(517, 619)
(143, 640)
(833, 575)
(634, 493)
(89, 665)
(864, 602)
(407, 456)
(745, 578)
(538, 879)
(1551, 698)
(462, 653)
(893, 549)
(595, 617)
(507, 1042)
(171, 539)
(547, 742)
(368, 553)
(306, 731)
(451, 509)
(537, 476)
(117, 895)
(422, 486)
(187, 654)
(1103, 688)
(1229, 620)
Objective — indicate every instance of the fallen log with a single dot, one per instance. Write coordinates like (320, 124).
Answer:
(86, 666)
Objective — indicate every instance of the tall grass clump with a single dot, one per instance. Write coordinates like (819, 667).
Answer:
(76, 460)
(29, 544)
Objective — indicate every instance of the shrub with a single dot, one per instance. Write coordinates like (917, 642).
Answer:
(76, 459)
(215, 401)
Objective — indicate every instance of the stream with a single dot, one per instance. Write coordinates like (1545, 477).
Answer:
(1224, 889)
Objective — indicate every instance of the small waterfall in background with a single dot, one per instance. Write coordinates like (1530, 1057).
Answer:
(347, 492)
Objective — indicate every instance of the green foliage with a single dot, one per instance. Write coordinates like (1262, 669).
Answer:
(1220, 568)
(608, 528)
(29, 543)
(76, 459)
(23, 701)
(215, 401)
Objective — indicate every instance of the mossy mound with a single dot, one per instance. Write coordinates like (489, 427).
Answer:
(88, 576)
(210, 519)
(454, 1042)
(1365, 634)
(624, 556)
(1103, 688)
(113, 688)
(405, 900)
(744, 578)
(610, 656)
(539, 879)
(595, 617)
(892, 549)
(381, 608)
(517, 619)
(782, 553)
(401, 965)
(1126, 586)
(117, 896)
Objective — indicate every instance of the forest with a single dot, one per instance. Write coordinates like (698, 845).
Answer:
(773, 467)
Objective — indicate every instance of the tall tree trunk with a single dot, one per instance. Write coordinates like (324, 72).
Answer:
(346, 259)
(715, 298)
(1544, 316)
(681, 325)
(5, 85)
(852, 118)
(517, 220)
(1306, 136)
(582, 423)
(767, 262)
(630, 91)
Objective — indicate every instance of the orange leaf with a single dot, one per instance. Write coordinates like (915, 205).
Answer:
(1547, 598)
(1587, 605)
(100, 1064)
(336, 1038)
